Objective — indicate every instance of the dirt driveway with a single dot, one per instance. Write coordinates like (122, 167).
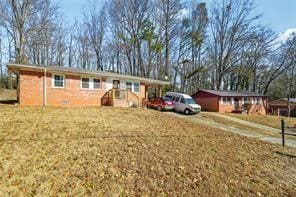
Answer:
(238, 126)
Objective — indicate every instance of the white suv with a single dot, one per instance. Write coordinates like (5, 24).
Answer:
(183, 103)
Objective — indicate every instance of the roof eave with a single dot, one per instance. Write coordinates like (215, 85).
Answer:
(81, 72)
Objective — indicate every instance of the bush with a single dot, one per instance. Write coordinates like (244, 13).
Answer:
(247, 107)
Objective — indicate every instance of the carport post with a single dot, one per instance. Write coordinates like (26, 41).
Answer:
(159, 90)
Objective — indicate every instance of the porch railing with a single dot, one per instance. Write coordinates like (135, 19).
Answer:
(117, 95)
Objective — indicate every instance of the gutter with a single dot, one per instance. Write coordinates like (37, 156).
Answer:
(44, 88)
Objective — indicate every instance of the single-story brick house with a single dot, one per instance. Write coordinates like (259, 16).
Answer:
(231, 101)
(280, 106)
(63, 86)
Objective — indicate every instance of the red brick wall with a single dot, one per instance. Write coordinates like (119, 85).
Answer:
(31, 91)
(211, 102)
(31, 88)
(72, 94)
(225, 108)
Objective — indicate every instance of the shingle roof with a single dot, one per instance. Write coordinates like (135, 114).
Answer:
(233, 93)
(292, 100)
(86, 72)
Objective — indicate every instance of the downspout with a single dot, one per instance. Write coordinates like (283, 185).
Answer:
(44, 89)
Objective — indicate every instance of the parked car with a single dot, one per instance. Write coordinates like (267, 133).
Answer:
(161, 104)
(183, 103)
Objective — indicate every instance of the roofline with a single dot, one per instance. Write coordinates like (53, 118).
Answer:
(209, 92)
(282, 99)
(34, 67)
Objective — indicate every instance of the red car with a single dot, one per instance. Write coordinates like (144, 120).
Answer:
(161, 104)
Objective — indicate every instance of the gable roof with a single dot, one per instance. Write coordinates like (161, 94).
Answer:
(232, 93)
(78, 71)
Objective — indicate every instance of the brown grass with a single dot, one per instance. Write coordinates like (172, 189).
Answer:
(112, 151)
(268, 120)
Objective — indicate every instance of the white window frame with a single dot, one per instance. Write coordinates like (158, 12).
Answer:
(91, 83)
(53, 79)
(248, 102)
(230, 99)
(134, 87)
(259, 99)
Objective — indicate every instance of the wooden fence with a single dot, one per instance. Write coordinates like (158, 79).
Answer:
(287, 130)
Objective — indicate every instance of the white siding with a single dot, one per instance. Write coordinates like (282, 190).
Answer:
(109, 84)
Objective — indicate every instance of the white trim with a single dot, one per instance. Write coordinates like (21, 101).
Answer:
(259, 100)
(91, 83)
(227, 103)
(249, 100)
(134, 87)
(64, 81)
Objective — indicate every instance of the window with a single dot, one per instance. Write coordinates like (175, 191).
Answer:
(85, 83)
(116, 84)
(177, 99)
(182, 100)
(129, 86)
(247, 100)
(136, 87)
(168, 97)
(226, 100)
(190, 101)
(258, 100)
(97, 83)
(89, 83)
(58, 81)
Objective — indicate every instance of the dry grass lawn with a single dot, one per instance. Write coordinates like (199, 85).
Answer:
(113, 151)
(268, 120)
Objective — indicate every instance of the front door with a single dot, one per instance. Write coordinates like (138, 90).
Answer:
(116, 84)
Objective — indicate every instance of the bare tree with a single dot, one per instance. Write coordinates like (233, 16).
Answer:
(96, 23)
(231, 22)
(282, 60)
(169, 11)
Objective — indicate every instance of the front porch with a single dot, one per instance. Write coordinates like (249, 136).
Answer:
(126, 98)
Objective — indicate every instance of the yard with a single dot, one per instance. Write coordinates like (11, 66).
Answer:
(104, 151)
(268, 120)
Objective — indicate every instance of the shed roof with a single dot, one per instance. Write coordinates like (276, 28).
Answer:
(232, 93)
(72, 70)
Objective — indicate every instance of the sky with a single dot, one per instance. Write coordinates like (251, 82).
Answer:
(279, 15)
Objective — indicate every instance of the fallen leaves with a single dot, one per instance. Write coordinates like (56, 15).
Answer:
(114, 151)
